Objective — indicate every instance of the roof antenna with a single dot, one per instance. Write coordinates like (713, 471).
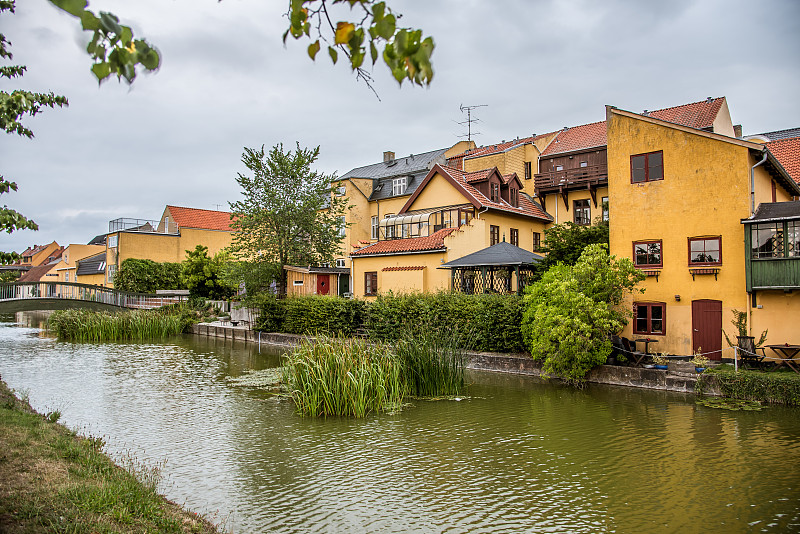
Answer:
(470, 120)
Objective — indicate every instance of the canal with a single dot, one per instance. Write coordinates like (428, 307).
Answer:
(516, 454)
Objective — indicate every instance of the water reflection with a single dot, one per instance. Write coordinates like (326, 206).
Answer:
(516, 455)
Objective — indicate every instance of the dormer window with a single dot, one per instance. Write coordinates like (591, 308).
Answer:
(399, 185)
(513, 196)
(495, 192)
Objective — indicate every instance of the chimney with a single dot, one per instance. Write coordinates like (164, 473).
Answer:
(388, 156)
(737, 131)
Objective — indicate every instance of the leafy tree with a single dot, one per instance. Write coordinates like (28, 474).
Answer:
(572, 311)
(13, 107)
(201, 274)
(146, 276)
(288, 215)
(565, 242)
(373, 26)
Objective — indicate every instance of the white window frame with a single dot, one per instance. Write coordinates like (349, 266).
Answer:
(340, 263)
(113, 241)
(375, 227)
(342, 226)
(399, 185)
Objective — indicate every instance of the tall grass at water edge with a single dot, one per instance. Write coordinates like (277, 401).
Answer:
(137, 325)
(352, 377)
(343, 377)
(433, 362)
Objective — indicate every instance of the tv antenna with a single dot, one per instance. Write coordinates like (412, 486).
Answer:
(470, 120)
(218, 206)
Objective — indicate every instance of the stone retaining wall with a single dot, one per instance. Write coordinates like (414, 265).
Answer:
(680, 376)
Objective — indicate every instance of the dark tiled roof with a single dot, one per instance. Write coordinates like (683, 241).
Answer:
(787, 152)
(198, 218)
(431, 243)
(98, 240)
(776, 210)
(402, 166)
(498, 254)
(92, 265)
(780, 134)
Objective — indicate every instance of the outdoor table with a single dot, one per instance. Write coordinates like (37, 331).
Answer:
(646, 342)
(787, 353)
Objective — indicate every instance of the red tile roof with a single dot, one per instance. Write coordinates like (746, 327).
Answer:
(501, 147)
(431, 243)
(526, 205)
(197, 218)
(578, 138)
(35, 274)
(409, 268)
(787, 152)
(699, 115)
(476, 176)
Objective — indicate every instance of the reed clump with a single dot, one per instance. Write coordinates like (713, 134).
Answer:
(352, 377)
(136, 325)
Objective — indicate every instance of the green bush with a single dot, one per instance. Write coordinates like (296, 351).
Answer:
(775, 388)
(146, 276)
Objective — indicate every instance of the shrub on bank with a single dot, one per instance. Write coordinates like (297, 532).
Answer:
(326, 315)
(775, 388)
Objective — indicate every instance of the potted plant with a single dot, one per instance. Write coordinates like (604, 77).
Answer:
(744, 341)
(660, 361)
(700, 362)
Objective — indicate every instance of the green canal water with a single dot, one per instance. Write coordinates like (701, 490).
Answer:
(516, 454)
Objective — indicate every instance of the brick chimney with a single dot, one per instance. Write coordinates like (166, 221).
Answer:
(737, 130)
(388, 156)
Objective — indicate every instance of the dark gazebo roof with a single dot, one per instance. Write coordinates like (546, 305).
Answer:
(501, 254)
(775, 211)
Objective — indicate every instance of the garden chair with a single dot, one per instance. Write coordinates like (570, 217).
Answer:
(632, 354)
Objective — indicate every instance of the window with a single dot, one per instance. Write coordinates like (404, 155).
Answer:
(647, 167)
(582, 213)
(537, 241)
(371, 283)
(66, 277)
(559, 168)
(340, 191)
(767, 240)
(705, 251)
(297, 283)
(374, 234)
(512, 193)
(584, 164)
(495, 192)
(793, 238)
(514, 237)
(342, 227)
(605, 208)
(527, 170)
(112, 241)
(340, 263)
(649, 318)
(399, 185)
(494, 235)
(112, 270)
(647, 254)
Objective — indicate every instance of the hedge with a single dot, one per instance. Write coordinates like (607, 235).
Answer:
(146, 276)
(483, 322)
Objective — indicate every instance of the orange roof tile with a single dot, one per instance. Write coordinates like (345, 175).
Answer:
(526, 205)
(197, 218)
(477, 176)
(699, 115)
(430, 243)
(787, 152)
(409, 268)
(578, 138)
(501, 147)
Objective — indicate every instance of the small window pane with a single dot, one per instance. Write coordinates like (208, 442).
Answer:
(794, 239)
(637, 168)
(655, 166)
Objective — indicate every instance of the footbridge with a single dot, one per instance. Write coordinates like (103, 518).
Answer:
(30, 296)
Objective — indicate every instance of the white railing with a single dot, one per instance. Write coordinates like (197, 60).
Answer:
(85, 292)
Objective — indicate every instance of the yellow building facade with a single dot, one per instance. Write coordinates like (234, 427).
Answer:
(66, 269)
(679, 195)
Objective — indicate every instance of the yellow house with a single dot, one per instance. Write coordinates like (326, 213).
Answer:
(166, 240)
(91, 269)
(67, 267)
(680, 195)
(451, 214)
(39, 254)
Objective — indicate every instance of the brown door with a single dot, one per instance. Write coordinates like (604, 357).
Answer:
(324, 284)
(707, 327)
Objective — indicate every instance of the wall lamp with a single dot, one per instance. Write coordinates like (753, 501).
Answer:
(678, 298)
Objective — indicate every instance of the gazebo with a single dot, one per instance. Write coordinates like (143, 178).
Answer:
(501, 268)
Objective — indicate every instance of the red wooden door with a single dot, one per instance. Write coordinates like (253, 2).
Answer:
(707, 327)
(323, 284)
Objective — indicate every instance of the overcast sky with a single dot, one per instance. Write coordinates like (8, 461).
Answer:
(227, 82)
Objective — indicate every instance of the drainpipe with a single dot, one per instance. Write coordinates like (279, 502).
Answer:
(753, 182)
(478, 216)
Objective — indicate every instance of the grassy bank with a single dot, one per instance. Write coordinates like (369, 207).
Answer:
(777, 387)
(52, 480)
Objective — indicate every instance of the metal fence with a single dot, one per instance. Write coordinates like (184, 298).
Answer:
(85, 292)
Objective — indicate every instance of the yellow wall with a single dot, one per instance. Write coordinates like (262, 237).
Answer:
(93, 279)
(705, 192)
(778, 313)
(71, 255)
(438, 192)
(561, 214)
(427, 279)
(40, 257)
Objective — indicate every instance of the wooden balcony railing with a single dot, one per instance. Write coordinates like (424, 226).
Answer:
(571, 178)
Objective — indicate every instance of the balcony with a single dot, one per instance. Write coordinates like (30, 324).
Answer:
(143, 225)
(569, 179)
